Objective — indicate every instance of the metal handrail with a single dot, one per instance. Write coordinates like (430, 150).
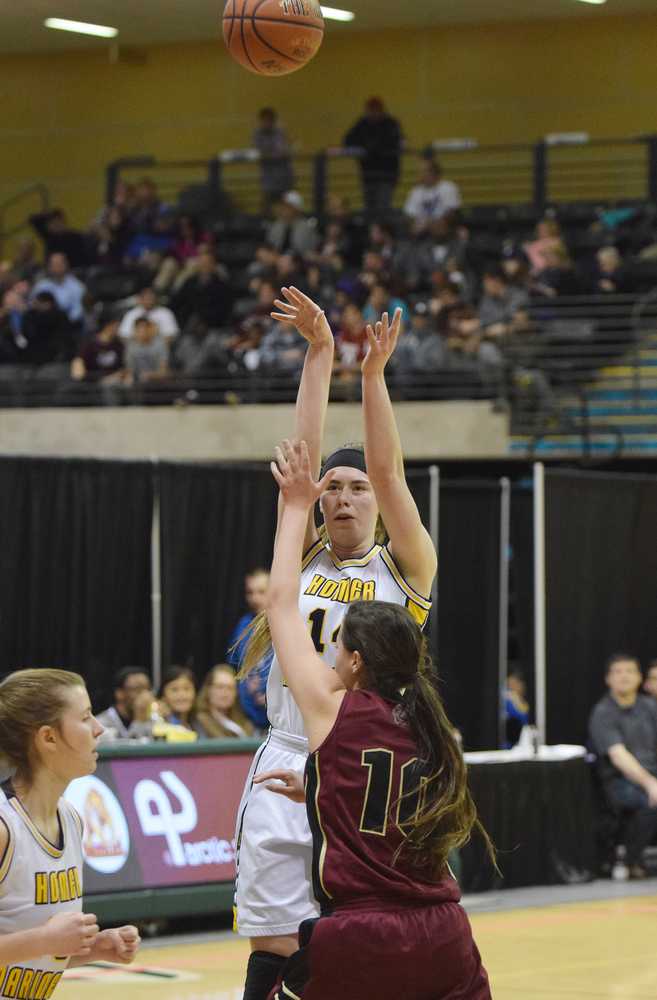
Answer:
(15, 199)
(541, 168)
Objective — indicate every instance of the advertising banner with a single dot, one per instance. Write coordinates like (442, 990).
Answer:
(159, 821)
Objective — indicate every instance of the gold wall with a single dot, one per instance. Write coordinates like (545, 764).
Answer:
(65, 116)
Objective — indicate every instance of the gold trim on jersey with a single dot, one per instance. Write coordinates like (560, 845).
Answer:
(312, 552)
(422, 602)
(78, 820)
(370, 767)
(8, 856)
(287, 992)
(54, 852)
(349, 563)
(322, 853)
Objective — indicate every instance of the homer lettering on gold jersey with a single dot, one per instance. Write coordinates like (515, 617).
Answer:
(38, 880)
(328, 587)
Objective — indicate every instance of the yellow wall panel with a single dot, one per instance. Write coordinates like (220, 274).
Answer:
(66, 115)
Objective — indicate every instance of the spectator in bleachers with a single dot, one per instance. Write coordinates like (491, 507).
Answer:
(282, 349)
(426, 350)
(145, 208)
(548, 237)
(188, 241)
(177, 699)
(112, 235)
(205, 294)
(382, 300)
(290, 270)
(12, 339)
(650, 682)
(623, 733)
(252, 688)
(217, 707)
(379, 136)
(58, 238)
(610, 275)
(200, 350)
(350, 340)
(559, 276)
(432, 198)
(47, 336)
(291, 230)
(68, 291)
(147, 354)
(147, 307)
(100, 358)
(129, 718)
(516, 707)
(271, 141)
(502, 308)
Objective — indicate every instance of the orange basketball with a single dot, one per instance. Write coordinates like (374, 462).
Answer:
(273, 37)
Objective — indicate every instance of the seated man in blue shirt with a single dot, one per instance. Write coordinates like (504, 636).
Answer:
(252, 690)
(623, 732)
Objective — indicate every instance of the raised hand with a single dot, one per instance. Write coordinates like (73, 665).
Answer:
(291, 784)
(382, 340)
(71, 934)
(291, 470)
(305, 315)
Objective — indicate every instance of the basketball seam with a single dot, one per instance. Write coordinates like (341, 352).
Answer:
(231, 18)
(275, 20)
(278, 52)
(246, 51)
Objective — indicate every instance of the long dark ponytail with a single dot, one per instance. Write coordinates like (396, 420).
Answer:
(397, 666)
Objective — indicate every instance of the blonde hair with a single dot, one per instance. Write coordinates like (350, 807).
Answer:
(204, 711)
(30, 699)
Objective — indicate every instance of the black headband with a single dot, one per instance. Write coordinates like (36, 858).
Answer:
(352, 458)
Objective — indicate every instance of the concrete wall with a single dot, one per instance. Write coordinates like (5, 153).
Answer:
(428, 431)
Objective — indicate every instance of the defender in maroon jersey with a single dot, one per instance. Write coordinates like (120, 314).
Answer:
(385, 789)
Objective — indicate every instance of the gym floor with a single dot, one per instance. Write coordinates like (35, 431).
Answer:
(590, 942)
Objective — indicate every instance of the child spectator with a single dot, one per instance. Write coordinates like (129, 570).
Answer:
(101, 357)
(177, 699)
(147, 354)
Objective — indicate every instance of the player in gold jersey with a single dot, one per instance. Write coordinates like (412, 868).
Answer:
(346, 564)
(48, 737)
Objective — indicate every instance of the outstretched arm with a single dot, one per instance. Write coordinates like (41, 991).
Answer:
(410, 543)
(316, 689)
(299, 311)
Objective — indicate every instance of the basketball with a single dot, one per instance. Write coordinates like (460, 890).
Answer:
(273, 37)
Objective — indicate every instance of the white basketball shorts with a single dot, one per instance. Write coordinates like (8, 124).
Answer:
(273, 890)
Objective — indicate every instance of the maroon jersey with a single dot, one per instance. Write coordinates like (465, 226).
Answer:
(362, 784)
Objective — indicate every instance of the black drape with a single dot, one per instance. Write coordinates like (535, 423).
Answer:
(601, 568)
(217, 522)
(539, 815)
(75, 565)
(468, 608)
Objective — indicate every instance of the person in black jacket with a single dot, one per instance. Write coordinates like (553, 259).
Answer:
(379, 135)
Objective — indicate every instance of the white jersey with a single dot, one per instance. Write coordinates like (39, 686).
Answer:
(327, 588)
(37, 882)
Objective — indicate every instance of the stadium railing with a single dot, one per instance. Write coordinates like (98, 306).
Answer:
(15, 209)
(560, 169)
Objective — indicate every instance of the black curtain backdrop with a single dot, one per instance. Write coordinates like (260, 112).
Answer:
(601, 568)
(217, 523)
(468, 608)
(75, 566)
